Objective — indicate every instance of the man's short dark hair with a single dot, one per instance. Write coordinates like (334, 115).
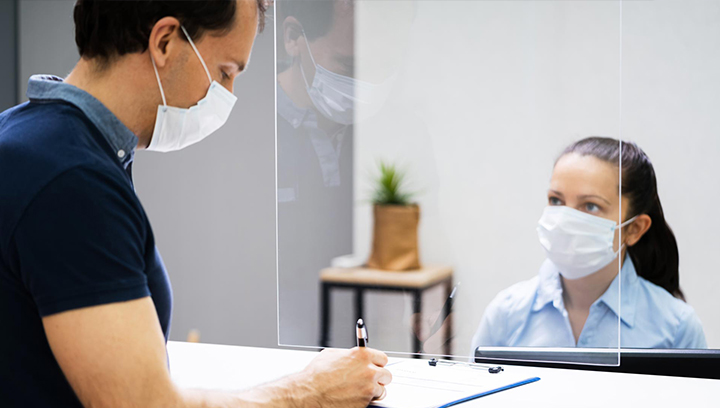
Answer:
(108, 28)
(315, 16)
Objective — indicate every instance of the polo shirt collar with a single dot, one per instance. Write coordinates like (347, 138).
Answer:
(550, 291)
(287, 109)
(121, 139)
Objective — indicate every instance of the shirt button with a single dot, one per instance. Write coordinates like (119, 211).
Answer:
(121, 153)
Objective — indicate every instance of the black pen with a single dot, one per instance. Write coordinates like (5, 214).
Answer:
(361, 330)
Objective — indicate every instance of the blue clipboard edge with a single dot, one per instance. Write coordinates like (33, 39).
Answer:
(483, 394)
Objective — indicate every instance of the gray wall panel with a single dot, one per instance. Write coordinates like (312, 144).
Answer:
(8, 50)
(47, 42)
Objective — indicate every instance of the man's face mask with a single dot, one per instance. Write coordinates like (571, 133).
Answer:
(338, 97)
(177, 128)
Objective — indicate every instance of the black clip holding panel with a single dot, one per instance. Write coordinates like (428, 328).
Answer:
(433, 362)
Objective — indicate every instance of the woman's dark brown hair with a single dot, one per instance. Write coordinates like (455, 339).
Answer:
(655, 255)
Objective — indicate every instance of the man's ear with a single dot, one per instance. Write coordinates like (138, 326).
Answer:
(637, 229)
(163, 42)
(292, 31)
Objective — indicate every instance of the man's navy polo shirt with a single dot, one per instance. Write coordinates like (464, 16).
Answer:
(73, 234)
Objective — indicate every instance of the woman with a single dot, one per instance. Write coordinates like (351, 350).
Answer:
(573, 302)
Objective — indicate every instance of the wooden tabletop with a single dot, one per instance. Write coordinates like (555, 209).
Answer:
(416, 279)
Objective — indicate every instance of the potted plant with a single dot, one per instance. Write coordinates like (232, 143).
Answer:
(396, 219)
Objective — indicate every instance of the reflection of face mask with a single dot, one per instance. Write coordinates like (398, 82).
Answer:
(337, 97)
(578, 243)
(177, 128)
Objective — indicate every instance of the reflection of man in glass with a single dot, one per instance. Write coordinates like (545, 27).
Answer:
(315, 84)
(315, 104)
(574, 300)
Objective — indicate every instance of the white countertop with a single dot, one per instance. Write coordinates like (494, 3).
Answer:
(232, 368)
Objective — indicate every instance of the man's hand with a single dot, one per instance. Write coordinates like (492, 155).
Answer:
(344, 378)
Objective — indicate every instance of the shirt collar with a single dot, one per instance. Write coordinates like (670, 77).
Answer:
(121, 139)
(549, 287)
(629, 288)
(550, 291)
(289, 111)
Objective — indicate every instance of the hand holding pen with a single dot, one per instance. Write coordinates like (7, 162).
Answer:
(362, 341)
(345, 377)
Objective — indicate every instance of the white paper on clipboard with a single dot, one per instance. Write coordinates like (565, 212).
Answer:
(416, 384)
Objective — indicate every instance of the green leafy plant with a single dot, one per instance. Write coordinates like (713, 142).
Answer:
(389, 186)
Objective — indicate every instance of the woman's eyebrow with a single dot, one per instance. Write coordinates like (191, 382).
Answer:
(595, 196)
(556, 193)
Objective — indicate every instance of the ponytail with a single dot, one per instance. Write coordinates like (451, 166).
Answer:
(655, 255)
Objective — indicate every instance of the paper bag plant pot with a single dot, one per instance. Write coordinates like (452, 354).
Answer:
(395, 238)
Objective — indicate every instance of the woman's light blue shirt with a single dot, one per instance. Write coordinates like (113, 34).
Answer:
(532, 314)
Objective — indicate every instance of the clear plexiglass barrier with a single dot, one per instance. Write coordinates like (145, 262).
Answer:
(473, 178)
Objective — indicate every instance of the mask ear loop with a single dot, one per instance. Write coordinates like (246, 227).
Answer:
(192, 44)
(302, 71)
(624, 224)
(162, 93)
(307, 44)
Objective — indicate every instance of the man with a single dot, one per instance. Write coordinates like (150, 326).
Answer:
(86, 301)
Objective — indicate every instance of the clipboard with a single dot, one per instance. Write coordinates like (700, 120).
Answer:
(417, 384)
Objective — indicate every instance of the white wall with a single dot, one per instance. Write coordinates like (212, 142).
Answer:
(671, 100)
(489, 94)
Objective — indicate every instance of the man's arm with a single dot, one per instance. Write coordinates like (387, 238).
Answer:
(114, 355)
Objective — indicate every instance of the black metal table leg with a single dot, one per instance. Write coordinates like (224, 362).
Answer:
(417, 313)
(324, 314)
(448, 320)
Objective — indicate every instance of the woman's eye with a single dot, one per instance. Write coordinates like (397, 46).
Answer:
(590, 207)
(224, 75)
(554, 201)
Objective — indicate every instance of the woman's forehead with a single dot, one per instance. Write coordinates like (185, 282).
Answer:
(577, 175)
